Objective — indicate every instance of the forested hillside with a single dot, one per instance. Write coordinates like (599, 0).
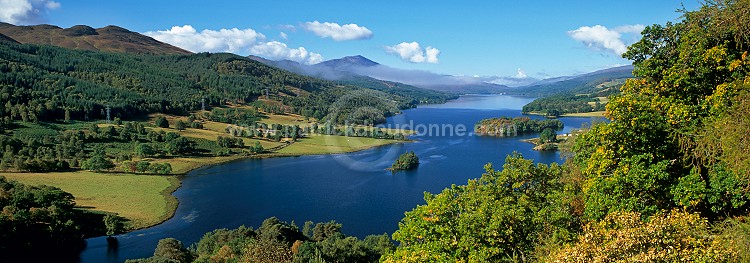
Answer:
(579, 94)
(50, 83)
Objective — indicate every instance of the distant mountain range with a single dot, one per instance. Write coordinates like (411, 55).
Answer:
(347, 68)
(110, 38)
(359, 67)
(584, 83)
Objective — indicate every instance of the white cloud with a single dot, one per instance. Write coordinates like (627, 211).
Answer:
(521, 74)
(412, 52)
(601, 38)
(224, 40)
(277, 51)
(432, 54)
(26, 11)
(283, 35)
(338, 32)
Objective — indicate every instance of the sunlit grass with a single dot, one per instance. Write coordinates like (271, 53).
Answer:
(144, 200)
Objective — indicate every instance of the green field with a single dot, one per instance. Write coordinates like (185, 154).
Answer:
(327, 144)
(144, 200)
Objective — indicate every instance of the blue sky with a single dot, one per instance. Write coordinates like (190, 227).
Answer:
(485, 38)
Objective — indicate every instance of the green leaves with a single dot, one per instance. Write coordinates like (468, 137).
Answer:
(489, 219)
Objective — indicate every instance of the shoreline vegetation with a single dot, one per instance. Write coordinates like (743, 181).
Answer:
(146, 200)
(592, 114)
(547, 146)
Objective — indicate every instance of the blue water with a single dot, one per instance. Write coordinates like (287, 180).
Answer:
(354, 189)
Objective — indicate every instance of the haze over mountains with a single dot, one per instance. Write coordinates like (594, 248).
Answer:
(350, 67)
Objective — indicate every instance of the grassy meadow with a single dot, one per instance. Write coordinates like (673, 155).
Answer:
(142, 199)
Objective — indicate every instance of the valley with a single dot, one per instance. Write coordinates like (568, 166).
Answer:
(265, 132)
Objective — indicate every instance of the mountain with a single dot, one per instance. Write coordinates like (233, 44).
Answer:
(363, 69)
(576, 94)
(4, 38)
(584, 83)
(50, 83)
(109, 38)
(338, 70)
(347, 63)
(362, 66)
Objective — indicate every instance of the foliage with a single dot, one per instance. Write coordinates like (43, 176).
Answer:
(548, 135)
(41, 218)
(180, 125)
(97, 163)
(161, 122)
(362, 107)
(275, 241)
(676, 134)
(236, 116)
(556, 105)
(491, 219)
(406, 161)
(625, 237)
(114, 224)
(507, 126)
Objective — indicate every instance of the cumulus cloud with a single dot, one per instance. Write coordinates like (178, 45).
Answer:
(224, 40)
(601, 38)
(278, 51)
(26, 11)
(283, 35)
(338, 32)
(414, 53)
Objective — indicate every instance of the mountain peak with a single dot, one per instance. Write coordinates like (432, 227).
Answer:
(350, 61)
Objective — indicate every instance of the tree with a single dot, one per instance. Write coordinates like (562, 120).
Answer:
(41, 218)
(180, 125)
(498, 217)
(97, 163)
(625, 237)
(143, 150)
(669, 139)
(161, 122)
(548, 135)
(171, 250)
(257, 148)
(406, 161)
(114, 224)
(180, 146)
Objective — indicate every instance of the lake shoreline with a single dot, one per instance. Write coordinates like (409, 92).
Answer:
(593, 114)
(175, 179)
(173, 203)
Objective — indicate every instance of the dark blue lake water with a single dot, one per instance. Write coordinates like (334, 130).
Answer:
(354, 189)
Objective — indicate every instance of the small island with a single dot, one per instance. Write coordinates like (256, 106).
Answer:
(405, 161)
(548, 140)
(507, 126)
